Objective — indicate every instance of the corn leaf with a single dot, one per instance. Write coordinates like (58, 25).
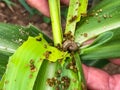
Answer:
(109, 47)
(27, 61)
(49, 71)
(101, 18)
(20, 64)
(3, 63)
(2, 82)
(76, 8)
(96, 63)
(80, 71)
(75, 76)
(11, 37)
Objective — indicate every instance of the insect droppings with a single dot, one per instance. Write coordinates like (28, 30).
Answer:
(73, 18)
(84, 14)
(63, 82)
(87, 21)
(58, 73)
(85, 34)
(51, 81)
(45, 46)
(68, 35)
(32, 66)
(66, 82)
(96, 14)
(72, 66)
(31, 75)
(104, 16)
(6, 81)
(83, 86)
(47, 54)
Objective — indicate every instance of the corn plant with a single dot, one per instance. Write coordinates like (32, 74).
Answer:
(36, 62)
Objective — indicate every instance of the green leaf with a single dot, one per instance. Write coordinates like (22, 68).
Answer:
(56, 71)
(103, 17)
(11, 37)
(80, 71)
(72, 74)
(23, 62)
(64, 11)
(103, 50)
(2, 82)
(3, 64)
(27, 61)
(76, 8)
(95, 63)
(101, 39)
(48, 70)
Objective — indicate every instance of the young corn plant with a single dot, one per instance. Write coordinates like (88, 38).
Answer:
(34, 63)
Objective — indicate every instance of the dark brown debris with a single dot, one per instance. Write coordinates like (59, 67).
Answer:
(32, 66)
(47, 53)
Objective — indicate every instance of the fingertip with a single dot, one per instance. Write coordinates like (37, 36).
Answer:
(40, 5)
(115, 61)
(66, 2)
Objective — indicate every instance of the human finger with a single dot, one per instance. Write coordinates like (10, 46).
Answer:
(100, 80)
(40, 5)
(115, 61)
(66, 2)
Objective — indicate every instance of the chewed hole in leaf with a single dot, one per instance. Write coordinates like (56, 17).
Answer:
(39, 39)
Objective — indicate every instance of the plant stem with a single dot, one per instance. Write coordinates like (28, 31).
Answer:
(54, 6)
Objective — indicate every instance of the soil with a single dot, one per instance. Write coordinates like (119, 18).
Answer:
(18, 15)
